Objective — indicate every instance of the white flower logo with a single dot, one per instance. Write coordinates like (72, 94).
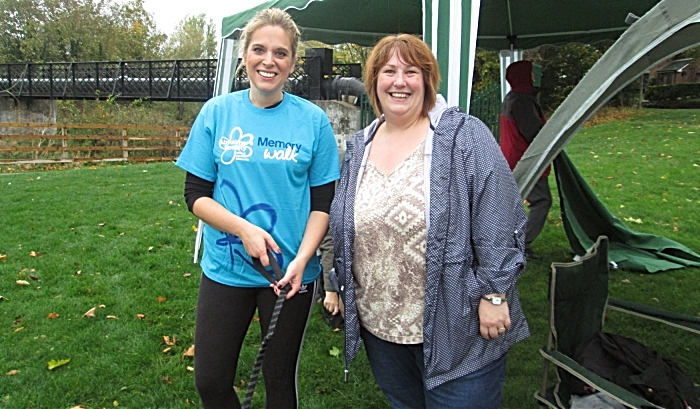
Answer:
(238, 146)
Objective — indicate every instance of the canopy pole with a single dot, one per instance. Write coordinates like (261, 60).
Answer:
(506, 58)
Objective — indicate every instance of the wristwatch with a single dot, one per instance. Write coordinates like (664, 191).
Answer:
(495, 300)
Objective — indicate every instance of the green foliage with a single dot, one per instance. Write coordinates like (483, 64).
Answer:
(563, 68)
(137, 112)
(77, 30)
(672, 92)
(350, 54)
(487, 69)
(194, 38)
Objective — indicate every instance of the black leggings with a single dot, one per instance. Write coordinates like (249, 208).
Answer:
(224, 314)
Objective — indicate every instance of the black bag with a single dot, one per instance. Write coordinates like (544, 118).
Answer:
(637, 368)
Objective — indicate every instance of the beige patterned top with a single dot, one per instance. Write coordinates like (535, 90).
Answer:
(389, 258)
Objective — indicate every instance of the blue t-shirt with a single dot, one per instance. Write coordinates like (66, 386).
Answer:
(263, 162)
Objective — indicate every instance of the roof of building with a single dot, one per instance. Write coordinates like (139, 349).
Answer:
(675, 66)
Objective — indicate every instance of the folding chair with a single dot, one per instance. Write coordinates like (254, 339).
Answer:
(578, 297)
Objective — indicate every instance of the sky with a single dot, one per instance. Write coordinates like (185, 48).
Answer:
(168, 13)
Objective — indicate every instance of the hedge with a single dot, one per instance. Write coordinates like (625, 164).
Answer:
(672, 92)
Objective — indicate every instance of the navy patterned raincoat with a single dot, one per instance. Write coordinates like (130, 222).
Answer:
(475, 243)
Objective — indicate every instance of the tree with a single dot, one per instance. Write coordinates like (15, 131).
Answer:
(132, 33)
(351, 53)
(563, 68)
(487, 69)
(193, 38)
(76, 30)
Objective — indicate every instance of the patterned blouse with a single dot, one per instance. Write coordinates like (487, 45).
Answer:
(390, 283)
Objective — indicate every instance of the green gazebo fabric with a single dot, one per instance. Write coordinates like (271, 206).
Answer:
(585, 218)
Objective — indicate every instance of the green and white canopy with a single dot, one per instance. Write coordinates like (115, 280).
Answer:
(448, 26)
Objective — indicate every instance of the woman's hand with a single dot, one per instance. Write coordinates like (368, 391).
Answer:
(293, 277)
(256, 241)
(494, 320)
(331, 302)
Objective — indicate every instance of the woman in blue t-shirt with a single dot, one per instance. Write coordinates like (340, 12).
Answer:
(261, 166)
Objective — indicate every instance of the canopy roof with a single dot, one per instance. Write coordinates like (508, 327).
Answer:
(525, 23)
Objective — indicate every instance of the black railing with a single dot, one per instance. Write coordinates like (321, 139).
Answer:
(157, 80)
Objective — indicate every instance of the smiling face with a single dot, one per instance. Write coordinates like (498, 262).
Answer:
(268, 61)
(400, 89)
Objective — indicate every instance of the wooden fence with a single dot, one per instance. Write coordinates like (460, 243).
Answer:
(22, 143)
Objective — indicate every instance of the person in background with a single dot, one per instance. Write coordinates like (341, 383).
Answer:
(428, 231)
(261, 167)
(520, 120)
(332, 306)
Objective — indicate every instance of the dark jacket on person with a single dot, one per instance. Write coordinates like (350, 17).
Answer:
(521, 114)
(474, 243)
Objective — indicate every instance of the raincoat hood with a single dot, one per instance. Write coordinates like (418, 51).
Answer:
(519, 76)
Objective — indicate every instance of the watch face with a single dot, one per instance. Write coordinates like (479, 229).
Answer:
(496, 300)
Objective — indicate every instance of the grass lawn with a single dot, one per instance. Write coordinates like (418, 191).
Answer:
(120, 239)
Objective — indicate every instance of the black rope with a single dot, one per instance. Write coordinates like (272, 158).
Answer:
(250, 389)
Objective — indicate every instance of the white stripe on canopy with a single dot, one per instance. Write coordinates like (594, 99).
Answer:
(449, 28)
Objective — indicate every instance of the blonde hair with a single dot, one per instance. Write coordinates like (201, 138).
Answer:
(413, 51)
(270, 17)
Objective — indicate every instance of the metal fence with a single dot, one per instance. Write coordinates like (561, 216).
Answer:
(158, 80)
(486, 105)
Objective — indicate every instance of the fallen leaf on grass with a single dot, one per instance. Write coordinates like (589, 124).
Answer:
(186, 275)
(78, 407)
(3, 256)
(168, 341)
(53, 364)
(2, 298)
(334, 351)
(112, 317)
(626, 281)
(18, 329)
(101, 224)
(140, 316)
(632, 219)
(34, 253)
(161, 299)
(150, 248)
(190, 369)
(90, 313)
(166, 379)
(115, 403)
(12, 372)
(34, 278)
(52, 315)
(22, 282)
(194, 228)
(189, 352)
(166, 350)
